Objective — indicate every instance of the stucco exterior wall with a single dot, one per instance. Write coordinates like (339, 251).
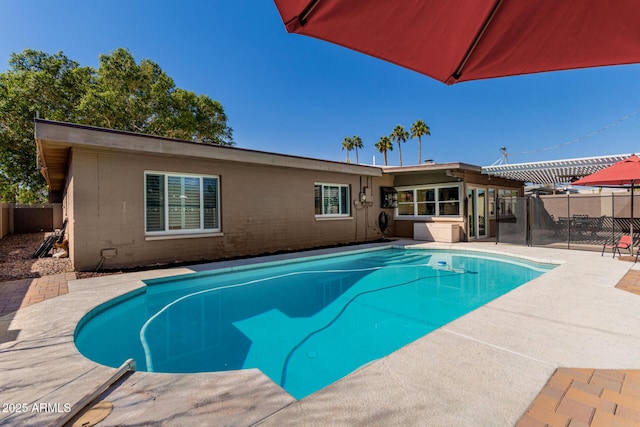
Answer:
(263, 209)
(612, 204)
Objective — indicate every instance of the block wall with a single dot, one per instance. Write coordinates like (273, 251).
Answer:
(264, 209)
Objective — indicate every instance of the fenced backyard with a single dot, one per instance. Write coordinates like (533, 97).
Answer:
(571, 221)
(19, 219)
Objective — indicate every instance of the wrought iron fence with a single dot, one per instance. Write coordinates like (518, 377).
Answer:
(572, 221)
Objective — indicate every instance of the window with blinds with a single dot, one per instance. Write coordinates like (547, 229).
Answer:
(332, 200)
(175, 203)
(210, 199)
(154, 203)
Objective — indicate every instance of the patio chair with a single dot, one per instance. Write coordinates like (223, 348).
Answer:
(623, 243)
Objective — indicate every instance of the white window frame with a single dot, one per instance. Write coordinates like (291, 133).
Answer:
(322, 186)
(187, 232)
(437, 202)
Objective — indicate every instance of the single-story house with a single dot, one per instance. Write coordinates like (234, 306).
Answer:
(446, 196)
(131, 199)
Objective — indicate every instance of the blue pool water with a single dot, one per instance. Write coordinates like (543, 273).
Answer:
(305, 324)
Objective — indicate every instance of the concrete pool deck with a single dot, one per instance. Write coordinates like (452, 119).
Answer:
(485, 368)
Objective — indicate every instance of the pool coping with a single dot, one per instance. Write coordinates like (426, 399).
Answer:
(487, 365)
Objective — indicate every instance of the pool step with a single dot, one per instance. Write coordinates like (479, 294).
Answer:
(400, 258)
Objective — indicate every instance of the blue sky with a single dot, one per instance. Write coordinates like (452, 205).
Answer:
(296, 95)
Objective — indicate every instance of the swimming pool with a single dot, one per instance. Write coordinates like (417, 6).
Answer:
(305, 324)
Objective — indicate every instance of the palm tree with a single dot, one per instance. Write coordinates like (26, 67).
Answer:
(400, 135)
(347, 144)
(384, 145)
(418, 130)
(356, 142)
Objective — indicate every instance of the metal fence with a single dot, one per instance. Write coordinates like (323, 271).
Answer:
(572, 221)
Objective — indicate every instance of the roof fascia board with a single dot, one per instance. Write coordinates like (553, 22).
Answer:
(94, 137)
(399, 170)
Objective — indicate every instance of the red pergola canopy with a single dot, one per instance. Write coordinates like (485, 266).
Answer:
(458, 40)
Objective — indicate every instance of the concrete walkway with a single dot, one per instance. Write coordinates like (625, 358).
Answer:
(485, 368)
(17, 294)
(590, 397)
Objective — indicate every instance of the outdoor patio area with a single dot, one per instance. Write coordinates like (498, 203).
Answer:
(494, 366)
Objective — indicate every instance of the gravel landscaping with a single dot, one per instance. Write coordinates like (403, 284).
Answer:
(16, 261)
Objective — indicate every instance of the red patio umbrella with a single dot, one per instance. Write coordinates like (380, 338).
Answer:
(625, 173)
(458, 40)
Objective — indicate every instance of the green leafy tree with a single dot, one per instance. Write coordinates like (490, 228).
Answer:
(347, 144)
(36, 84)
(196, 118)
(143, 98)
(418, 130)
(121, 94)
(400, 135)
(383, 145)
(357, 143)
